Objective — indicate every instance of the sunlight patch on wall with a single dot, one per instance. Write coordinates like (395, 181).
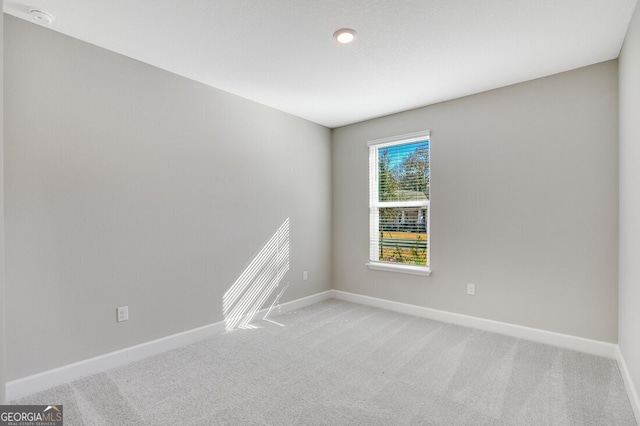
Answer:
(244, 300)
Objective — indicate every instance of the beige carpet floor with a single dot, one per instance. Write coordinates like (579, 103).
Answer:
(338, 363)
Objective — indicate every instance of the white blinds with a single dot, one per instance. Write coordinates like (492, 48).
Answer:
(399, 199)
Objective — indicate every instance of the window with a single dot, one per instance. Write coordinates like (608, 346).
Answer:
(399, 203)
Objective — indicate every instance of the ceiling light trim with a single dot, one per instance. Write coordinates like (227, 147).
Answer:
(345, 35)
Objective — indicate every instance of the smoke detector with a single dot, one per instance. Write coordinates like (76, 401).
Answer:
(41, 17)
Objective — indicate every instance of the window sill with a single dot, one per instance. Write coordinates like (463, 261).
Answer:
(404, 269)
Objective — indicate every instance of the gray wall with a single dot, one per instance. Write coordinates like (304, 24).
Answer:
(2, 298)
(629, 287)
(128, 185)
(524, 205)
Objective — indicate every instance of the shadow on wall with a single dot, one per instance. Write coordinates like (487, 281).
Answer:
(244, 300)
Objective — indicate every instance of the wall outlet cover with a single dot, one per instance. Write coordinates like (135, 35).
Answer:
(471, 289)
(122, 314)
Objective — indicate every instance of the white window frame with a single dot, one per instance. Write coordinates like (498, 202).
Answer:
(375, 205)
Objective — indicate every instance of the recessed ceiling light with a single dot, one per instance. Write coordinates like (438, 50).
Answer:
(41, 17)
(345, 35)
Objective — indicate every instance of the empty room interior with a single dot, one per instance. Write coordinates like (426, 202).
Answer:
(219, 212)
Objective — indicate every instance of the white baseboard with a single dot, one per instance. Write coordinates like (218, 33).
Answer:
(581, 344)
(28, 385)
(47, 379)
(628, 384)
(57, 376)
(304, 301)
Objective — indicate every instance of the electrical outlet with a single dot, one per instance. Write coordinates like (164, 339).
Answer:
(123, 314)
(471, 289)
(305, 275)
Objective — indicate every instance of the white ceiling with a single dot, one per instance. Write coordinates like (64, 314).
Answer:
(408, 53)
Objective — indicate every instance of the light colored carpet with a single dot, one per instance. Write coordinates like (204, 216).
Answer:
(338, 363)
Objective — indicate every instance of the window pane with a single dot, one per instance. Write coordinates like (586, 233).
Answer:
(399, 200)
(403, 172)
(403, 235)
